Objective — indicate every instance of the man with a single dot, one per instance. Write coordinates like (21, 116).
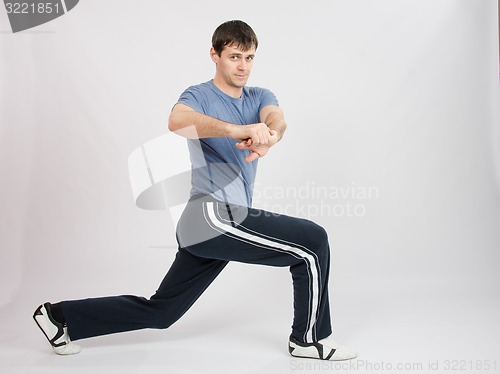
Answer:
(229, 127)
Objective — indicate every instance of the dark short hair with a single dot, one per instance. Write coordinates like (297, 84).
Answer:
(234, 33)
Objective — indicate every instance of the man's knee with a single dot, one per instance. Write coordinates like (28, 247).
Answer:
(161, 325)
(317, 236)
(162, 321)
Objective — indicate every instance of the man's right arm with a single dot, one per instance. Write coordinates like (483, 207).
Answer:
(186, 122)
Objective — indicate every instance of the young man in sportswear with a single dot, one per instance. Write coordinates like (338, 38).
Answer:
(229, 126)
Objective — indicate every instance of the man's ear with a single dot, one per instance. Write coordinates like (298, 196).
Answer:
(214, 56)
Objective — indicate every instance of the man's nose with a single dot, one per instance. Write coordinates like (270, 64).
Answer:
(242, 65)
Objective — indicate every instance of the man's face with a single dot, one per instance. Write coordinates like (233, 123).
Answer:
(233, 66)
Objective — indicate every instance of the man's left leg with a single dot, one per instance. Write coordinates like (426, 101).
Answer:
(277, 240)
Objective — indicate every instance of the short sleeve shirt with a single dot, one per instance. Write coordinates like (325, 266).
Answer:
(218, 167)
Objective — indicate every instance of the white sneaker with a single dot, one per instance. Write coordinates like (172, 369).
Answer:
(55, 332)
(324, 349)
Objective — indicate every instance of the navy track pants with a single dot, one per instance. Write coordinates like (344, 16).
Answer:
(210, 233)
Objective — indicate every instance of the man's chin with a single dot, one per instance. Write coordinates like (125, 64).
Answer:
(239, 83)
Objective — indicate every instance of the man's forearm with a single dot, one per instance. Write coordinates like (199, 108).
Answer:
(194, 125)
(275, 121)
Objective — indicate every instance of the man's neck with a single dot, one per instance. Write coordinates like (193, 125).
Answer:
(228, 90)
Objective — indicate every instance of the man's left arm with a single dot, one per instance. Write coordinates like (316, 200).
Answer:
(273, 117)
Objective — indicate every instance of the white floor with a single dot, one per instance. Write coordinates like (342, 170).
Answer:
(425, 332)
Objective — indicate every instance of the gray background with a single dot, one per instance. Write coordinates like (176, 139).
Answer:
(398, 96)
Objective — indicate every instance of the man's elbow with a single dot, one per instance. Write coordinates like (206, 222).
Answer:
(173, 123)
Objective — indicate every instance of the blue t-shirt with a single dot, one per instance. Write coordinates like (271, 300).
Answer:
(218, 167)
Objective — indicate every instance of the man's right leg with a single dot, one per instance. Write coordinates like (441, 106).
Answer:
(186, 280)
